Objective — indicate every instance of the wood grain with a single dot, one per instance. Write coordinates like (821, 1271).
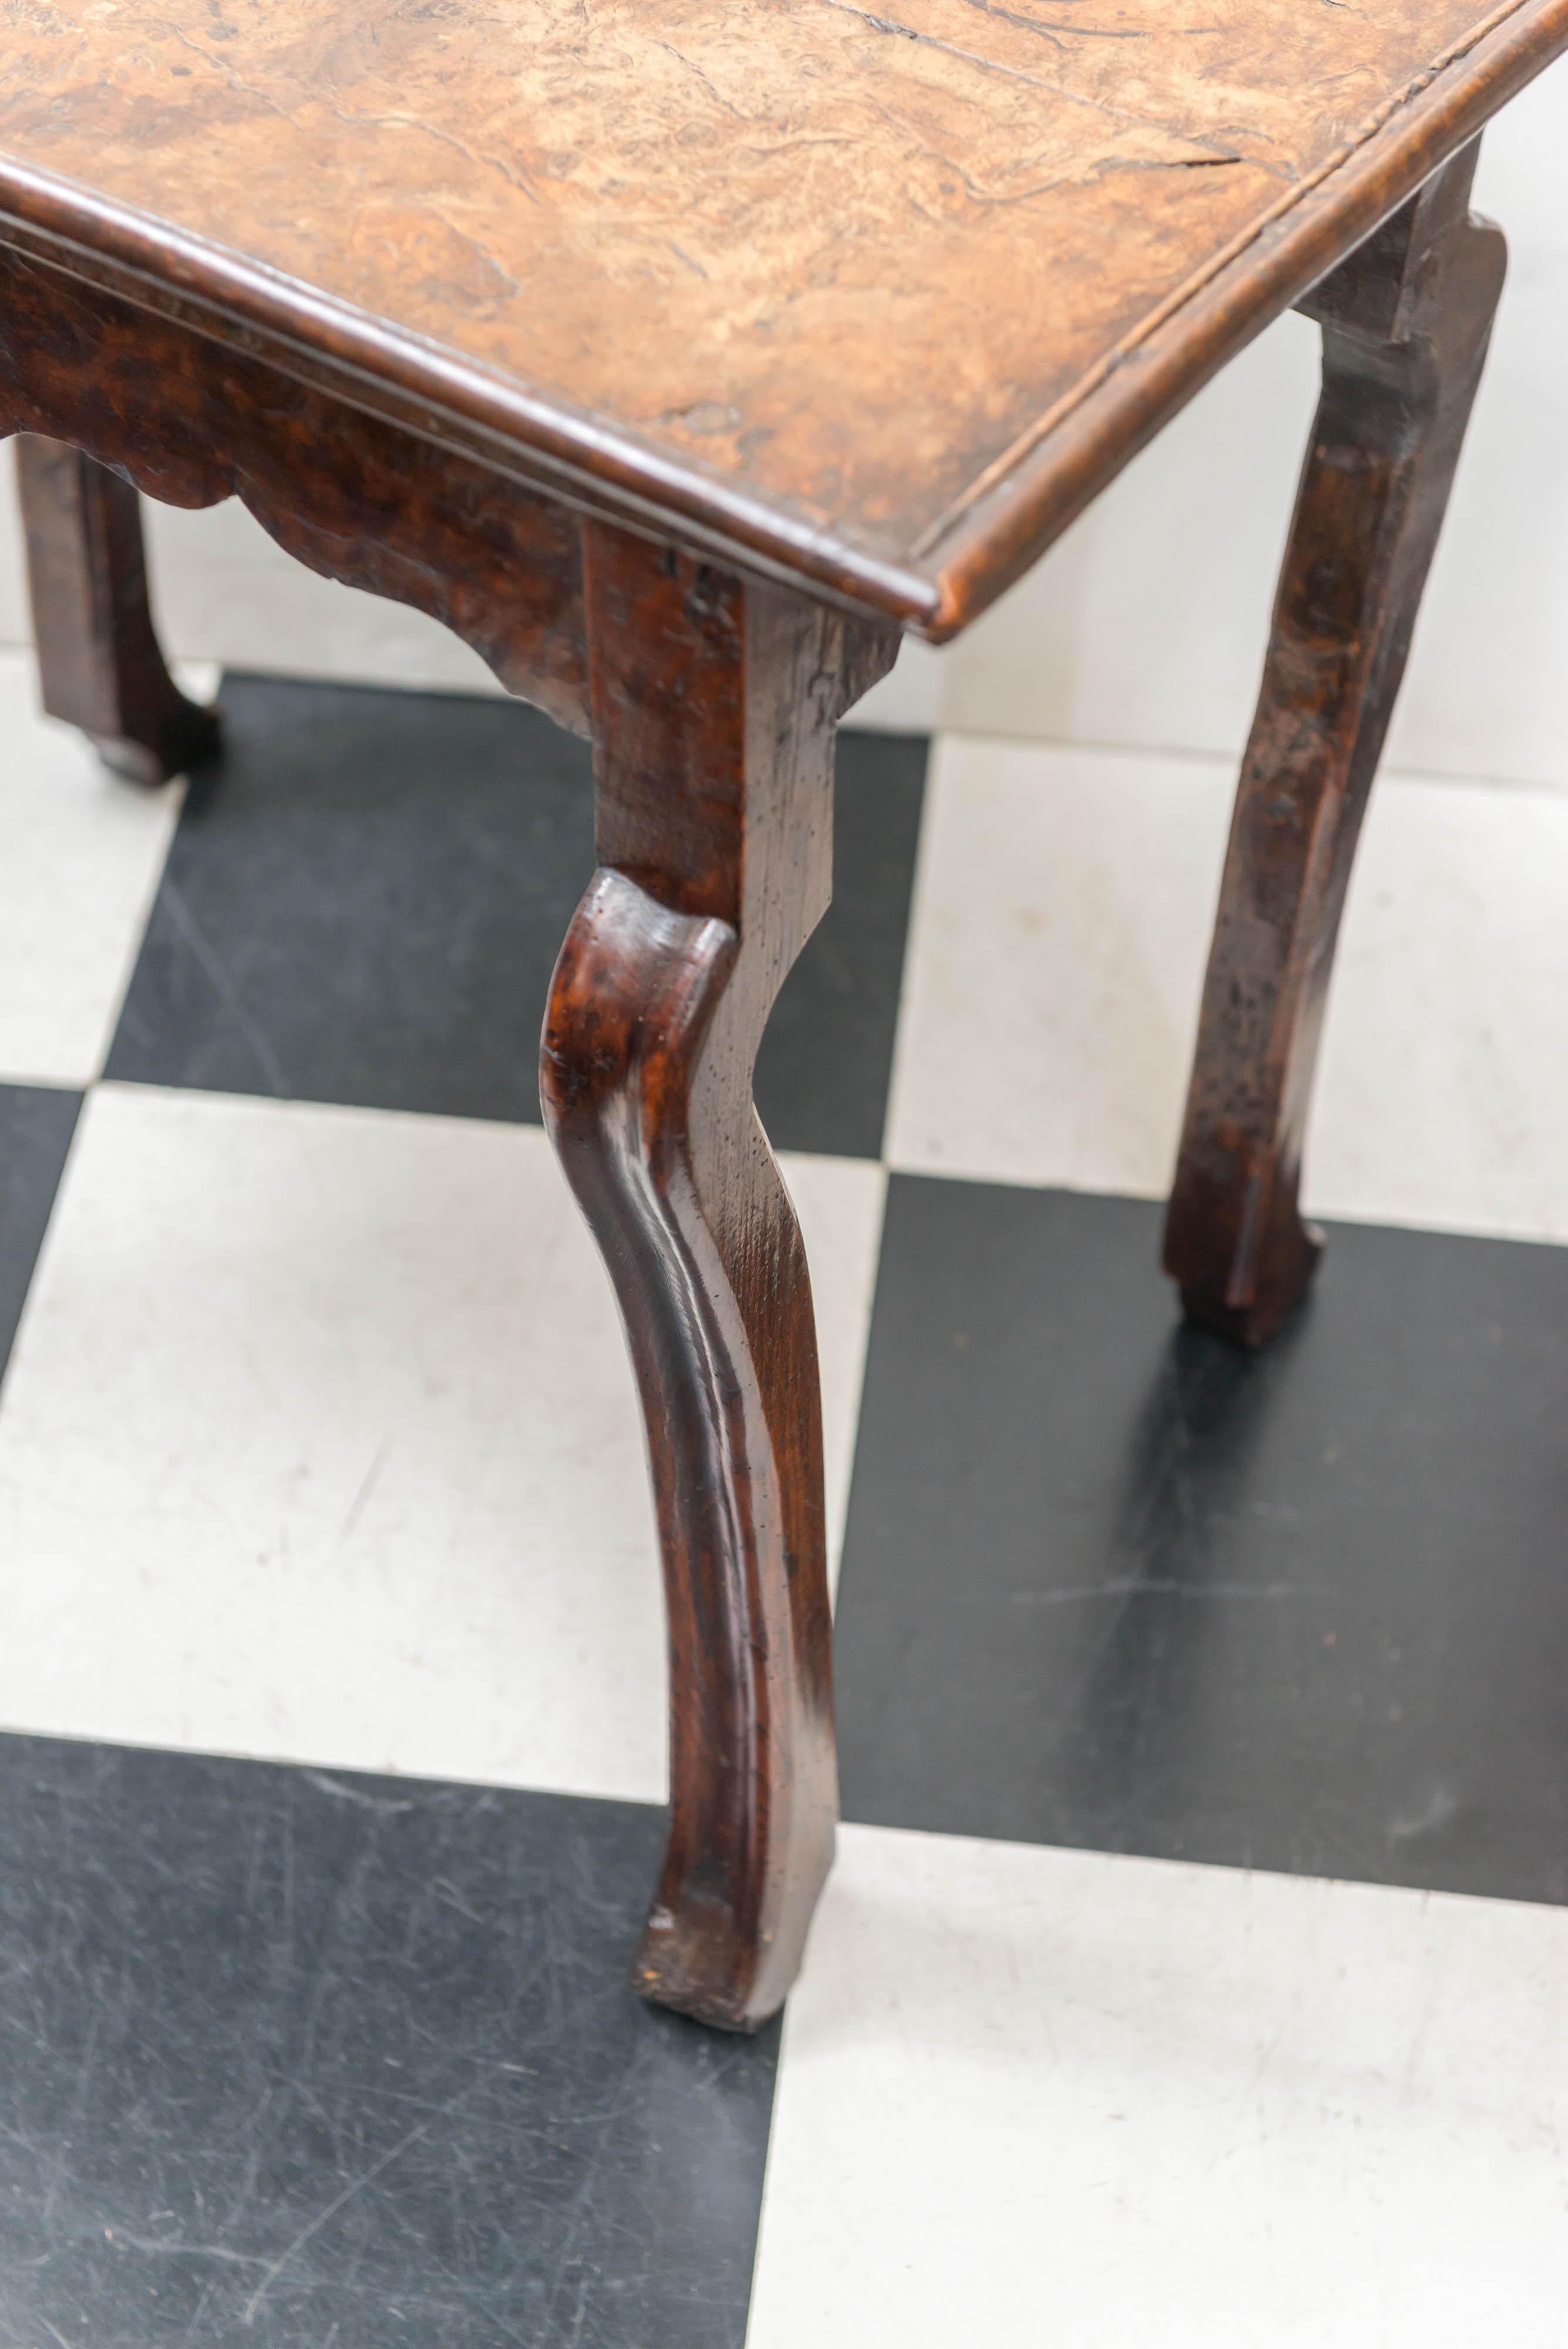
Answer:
(713, 706)
(1406, 323)
(193, 422)
(859, 269)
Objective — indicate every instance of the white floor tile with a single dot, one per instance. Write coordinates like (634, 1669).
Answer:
(1055, 956)
(83, 851)
(319, 1442)
(1035, 2096)
(1063, 913)
(839, 1202)
(1442, 1098)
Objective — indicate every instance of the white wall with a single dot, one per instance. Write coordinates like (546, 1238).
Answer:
(1145, 624)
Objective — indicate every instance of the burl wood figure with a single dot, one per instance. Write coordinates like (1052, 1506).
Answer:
(680, 356)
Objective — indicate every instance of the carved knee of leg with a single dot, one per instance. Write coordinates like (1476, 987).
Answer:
(657, 1137)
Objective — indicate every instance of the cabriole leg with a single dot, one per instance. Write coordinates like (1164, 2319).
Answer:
(1406, 321)
(99, 665)
(713, 706)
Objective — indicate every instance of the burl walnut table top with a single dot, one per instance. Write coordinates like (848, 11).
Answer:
(880, 298)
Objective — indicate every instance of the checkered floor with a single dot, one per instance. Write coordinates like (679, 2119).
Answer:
(1193, 1970)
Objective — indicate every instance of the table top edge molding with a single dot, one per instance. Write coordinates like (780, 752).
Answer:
(587, 459)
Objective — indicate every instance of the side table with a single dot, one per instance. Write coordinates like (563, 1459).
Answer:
(680, 356)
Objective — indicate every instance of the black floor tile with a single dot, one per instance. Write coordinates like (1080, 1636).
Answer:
(363, 903)
(823, 1070)
(37, 1123)
(364, 899)
(1110, 1583)
(299, 2059)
